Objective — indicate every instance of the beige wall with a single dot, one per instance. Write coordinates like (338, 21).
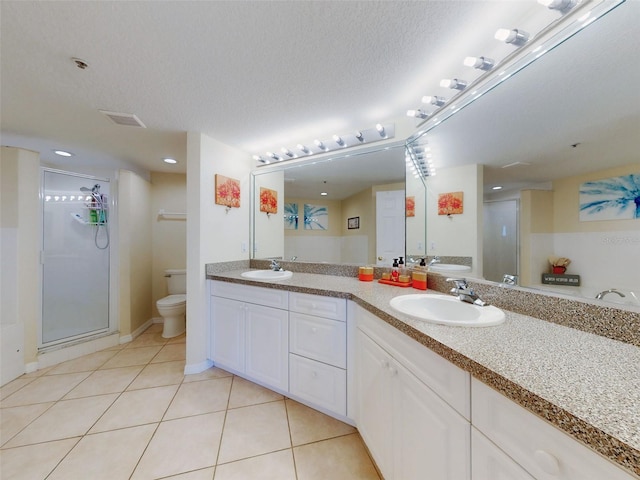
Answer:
(458, 235)
(213, 233)
(135, 272)
(536, 216)
(169, 235)
(362, 205)
(416, 225)
(270, 243)
(20, 180)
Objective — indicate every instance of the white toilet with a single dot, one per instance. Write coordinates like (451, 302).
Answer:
(173, 307)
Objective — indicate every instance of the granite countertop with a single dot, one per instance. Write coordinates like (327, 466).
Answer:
(585, 384)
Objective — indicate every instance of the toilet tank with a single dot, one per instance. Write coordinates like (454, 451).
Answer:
(176, 281)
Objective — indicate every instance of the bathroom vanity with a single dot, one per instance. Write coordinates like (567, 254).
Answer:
(525, 399)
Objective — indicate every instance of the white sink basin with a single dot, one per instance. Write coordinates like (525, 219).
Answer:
(449, 268)
(447, 310)
(267, 275)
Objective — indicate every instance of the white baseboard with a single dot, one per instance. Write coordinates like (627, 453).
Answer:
(31, 367)
(158, 320)
(198, 367)
(54, 357)
(137, 332)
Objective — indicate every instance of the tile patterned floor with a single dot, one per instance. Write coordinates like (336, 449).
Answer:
(130, 413)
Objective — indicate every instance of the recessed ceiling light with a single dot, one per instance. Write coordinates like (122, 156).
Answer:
(497, 187)
(324, 194)
(62, 153)
(169, 160)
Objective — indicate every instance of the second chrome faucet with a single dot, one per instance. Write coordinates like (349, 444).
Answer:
(464, 292)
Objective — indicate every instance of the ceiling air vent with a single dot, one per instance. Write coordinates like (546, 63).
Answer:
(126, 119)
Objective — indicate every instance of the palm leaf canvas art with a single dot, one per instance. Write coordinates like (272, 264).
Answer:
(615, 198)
(290, 216)
(316, 217)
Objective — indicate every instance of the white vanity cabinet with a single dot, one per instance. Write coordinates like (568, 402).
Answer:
(318, 351)
(409, 429)
(250, 332)
(541, 449)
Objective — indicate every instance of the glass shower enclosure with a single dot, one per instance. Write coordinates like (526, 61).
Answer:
(75, 257)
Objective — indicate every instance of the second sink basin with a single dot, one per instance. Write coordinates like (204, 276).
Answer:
(447, 310)
(267, 275)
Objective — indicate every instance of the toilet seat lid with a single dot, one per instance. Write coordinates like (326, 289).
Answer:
(172, 300)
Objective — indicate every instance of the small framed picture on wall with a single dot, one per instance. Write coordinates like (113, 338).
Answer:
(353, 223)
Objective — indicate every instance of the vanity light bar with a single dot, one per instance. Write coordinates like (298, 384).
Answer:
(420, 163)
(338, 142)
(576, 16)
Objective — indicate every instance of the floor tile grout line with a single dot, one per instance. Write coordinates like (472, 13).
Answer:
(224, 422)
(63, 457)
(293, 457)
(2, 445)
(144, 450)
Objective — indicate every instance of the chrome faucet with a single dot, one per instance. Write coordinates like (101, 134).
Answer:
(435, 259)
(275, 266)
(464, 292)
(508, 279)
(602, 294)
(294, 258)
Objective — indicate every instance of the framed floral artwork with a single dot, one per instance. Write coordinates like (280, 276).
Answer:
(410, 206)
(227, 191)
(268, 200)
(450, 203)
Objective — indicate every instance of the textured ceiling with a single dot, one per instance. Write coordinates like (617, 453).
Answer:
(255, 75)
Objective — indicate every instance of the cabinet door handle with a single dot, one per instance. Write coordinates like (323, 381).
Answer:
(547, 462)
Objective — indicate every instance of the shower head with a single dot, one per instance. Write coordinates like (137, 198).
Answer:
(95, 189)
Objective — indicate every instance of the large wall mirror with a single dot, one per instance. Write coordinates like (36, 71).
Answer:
(570, 118)
(347, 208)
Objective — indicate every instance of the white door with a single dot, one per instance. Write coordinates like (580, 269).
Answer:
(390, 224)
(431, 440)
(267, 345)
(227, 333)
(374, 398)
(490, 463)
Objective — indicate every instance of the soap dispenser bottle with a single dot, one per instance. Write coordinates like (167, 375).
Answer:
(395, 274)
(401, 269)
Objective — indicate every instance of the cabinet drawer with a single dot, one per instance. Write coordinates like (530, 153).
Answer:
(318, 383)
(327, 307)
(541, 449)
(318, 338)
(247, 293)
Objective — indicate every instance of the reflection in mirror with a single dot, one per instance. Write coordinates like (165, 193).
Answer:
(347, 225)
(570, 118)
